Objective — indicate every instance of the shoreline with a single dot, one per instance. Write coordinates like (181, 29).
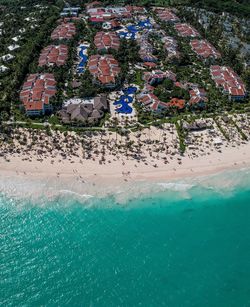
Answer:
(89, 179)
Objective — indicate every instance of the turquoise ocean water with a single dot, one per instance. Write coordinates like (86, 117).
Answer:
(167, 249)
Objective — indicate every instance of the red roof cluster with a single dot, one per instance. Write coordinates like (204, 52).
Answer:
(166, 15)
(158, 76)
(150, 100)
(197, 95)
(228, 80)
(204, 49)
(102, 14)
(186, 30)
(107, 40)
(53, 55)
(135, 9)
(104, 68)
(177, 103)
(37, 91)
(64, 31)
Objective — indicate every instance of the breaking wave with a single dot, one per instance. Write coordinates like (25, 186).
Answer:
(129, 194)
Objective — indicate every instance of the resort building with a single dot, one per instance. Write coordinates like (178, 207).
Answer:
(105, 69)
(101, 14)
(177, 103)
(13, 47)
(204, 49)
(227, 80)
(157, 76)
(64, 31)
(171, 47)
(153, 103)
(185, 30)
(53, 55)
(136, 9)
(106, 40)
(146, 49)
(7, 57)
(70, 11)
(198, 98)
(87, 112)
(36, 93)
(3, 69)
(166, 15)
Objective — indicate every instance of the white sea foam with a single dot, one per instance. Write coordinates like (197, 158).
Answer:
(45, 192)
(176, 186)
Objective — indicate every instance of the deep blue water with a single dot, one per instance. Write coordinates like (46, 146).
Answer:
(153, 251)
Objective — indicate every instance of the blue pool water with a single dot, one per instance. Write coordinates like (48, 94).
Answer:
(84, 60)
(125, 100)
(132, 30)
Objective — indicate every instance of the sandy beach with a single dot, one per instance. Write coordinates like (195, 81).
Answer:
(119, 169)
(99, 163)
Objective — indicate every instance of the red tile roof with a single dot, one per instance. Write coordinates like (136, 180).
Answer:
(64, 31)
(178, 103)
(37, 91)
(104, 68)
(186, 30)
(108, 13)
(135, 9)
(166, 15)
(107, 40)
(204, 49)
(158, 75)
(228, 80)
(197, 95)
(53, 55)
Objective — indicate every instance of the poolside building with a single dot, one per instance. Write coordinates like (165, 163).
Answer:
(106, 40)
(87, 112)
(105, 70)
(152, 103)
(146, 49)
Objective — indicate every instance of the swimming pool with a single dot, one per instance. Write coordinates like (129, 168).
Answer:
(122, 104)
(83, 50)
(130, 31)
